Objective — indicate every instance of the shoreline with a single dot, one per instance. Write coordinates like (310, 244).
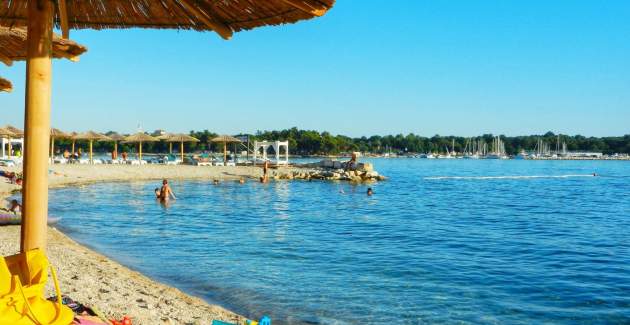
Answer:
(94, 279)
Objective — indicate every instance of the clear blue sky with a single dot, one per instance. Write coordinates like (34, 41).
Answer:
(462, 67)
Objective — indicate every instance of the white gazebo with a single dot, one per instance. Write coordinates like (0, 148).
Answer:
(276, 145)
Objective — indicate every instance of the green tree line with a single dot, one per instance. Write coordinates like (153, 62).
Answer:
(310, 142)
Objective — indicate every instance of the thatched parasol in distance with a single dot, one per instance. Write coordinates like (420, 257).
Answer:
(13, 46)
(18, 134)
(56, 134)
(225, 139)
(91, 136)
(181, 138)
(6, 85)
(139, 138)
(6, 133)
(116, 137)
(165, 137)
(16, 131)
(223, 17)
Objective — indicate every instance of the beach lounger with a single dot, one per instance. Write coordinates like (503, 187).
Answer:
(136, 162)
(218, 163)
(7, 163)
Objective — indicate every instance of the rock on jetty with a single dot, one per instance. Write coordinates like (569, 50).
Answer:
(334, 171)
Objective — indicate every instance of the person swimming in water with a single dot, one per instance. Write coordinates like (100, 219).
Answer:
(369, 191)
(165, 192)
(157, 193)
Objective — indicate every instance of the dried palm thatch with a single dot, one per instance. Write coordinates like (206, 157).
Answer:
(139, 137)
(116, 137)
(58, 134)
(225, 139)
(91, 135)
(18, 132)
(13, 46)
(5, 132)
(224, 17)
(5, 85)
(181, 138)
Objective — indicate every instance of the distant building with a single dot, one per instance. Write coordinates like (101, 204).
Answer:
(584, 154)
(158, 133)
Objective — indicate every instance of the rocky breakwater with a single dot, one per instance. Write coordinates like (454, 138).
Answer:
(334, 171)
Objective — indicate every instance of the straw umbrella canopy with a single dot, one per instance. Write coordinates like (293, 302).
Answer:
(139, 138)
(91, 136)
(6, 133)
(16, 131)
(13, 46)
(223, 17)
(18, 134)
(5, 85)
(116, 137)
(181, 138)
(225, 139)
(56, 134)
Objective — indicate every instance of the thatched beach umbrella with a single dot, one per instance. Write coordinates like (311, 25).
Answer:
(13, 46)
(225, 139)
(181, 138)
(72, 135)
(139, 138)
(6, 133)
(165, 137)
(16, 131)
(91, 136)
(56, 134)
(115, 137)
(18, 134)
(5, 85)
(223, 17)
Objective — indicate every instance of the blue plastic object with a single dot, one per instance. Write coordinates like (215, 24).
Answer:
(218, 322)
(265, 321)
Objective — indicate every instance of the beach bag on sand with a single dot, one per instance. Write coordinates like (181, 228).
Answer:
(23, 278)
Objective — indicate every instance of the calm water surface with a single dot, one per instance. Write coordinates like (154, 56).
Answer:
(457, 241)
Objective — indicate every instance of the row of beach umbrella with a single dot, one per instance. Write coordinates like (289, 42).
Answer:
(42, 16)
(139, 138)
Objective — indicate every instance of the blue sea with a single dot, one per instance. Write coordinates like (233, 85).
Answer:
(442, 241)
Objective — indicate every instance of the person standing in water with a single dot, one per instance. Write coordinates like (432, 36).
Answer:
(265, 172)
(165, 192)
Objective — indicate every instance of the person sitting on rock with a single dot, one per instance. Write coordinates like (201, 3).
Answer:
(352, 163)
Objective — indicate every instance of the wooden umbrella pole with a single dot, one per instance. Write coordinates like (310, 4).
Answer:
(73, 147)
(140, 151)
(52, 149)
(10, 147)
(181, 149)
(91, 161)
(37, 124)
(115, 149)
(224, 152)
(170, 148)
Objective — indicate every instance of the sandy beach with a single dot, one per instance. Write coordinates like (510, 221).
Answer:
(95, 280)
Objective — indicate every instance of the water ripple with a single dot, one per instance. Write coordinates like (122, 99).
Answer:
(444, 242)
